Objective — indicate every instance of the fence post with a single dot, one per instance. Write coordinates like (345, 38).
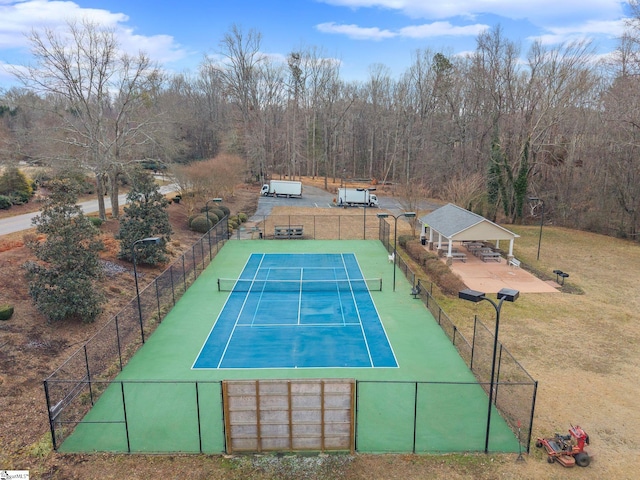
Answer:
(415, 416)
(533, 407)
(86, 361)
(173, 291)
(202, 252)
(198, 414)
(158, 299)
(126, 423)
(119, 345)
(184, 274)
(355, 416)
(473, 341)
(52, 427)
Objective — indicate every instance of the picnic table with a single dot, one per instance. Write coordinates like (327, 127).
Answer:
(478, 252)
(487, 256)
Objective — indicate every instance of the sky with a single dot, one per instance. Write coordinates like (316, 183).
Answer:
(359, 33)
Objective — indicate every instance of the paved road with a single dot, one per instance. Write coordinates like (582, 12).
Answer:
(311, 197)
(316, 197)
(24, 222)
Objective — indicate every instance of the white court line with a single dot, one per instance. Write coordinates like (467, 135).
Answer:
(364, 336)
(302, 325)
(300, 295)
(224, 352)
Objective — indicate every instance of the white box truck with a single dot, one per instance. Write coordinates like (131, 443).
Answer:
(348, 197)
(282, 188)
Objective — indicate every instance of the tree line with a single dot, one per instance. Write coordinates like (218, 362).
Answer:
(489, 131)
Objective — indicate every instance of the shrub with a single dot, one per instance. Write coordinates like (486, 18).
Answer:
(5, 312)
(213, 218)
(5, 202)
(439, 273)
(190, 219)
(96, 221)
(20, 198)
(224, 209)
(243, 217)
(233, 222)
(219, 213)
(200, 224)
(403, 239)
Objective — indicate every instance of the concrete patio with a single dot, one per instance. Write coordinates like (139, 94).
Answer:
(491, 276)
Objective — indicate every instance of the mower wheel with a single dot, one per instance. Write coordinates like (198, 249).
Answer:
(550, 459)
(539, 444)
(582, 459)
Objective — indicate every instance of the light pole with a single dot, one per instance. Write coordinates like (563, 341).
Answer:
(539, 201)
(142, 241)
(395, 237)
(509, 295)
(206, 208)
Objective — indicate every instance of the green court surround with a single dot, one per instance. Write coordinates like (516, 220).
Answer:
(172, 408)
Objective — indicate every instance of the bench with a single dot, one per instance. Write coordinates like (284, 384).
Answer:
(288, 231)
(514, 262)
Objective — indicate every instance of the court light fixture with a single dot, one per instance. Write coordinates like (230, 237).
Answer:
(142, 241)
(539, 201)
(505, 294)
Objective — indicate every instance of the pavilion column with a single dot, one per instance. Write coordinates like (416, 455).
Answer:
(510, 254)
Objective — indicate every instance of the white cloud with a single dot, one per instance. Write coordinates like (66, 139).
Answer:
(356, 32)
(19, 18)
(437, 29)
(536, 11)
(557, 35)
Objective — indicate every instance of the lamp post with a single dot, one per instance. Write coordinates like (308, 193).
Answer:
(142, 241)
(206, 208)
(395, 237)
(510, 295)
(539, 201)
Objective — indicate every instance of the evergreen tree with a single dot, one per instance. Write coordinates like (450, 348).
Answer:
(521, 184)
(63, 283)
(145, 216)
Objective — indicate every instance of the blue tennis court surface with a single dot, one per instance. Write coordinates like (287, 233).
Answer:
(298, 311)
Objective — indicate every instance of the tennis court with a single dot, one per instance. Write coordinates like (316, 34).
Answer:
(413, 389)
(291, 310)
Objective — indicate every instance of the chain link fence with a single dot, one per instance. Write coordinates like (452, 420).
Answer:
(515, 390)
(77, 384)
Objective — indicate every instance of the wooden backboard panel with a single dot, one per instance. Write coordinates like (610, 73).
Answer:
(289, 415)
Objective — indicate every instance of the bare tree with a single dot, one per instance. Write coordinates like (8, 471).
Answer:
(98, 94)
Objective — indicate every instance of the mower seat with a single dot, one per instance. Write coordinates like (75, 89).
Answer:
(555, 445)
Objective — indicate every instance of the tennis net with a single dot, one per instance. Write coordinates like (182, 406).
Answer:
(242, 285)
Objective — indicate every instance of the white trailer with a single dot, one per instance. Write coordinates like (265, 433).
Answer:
(358, 197)
(282, 188)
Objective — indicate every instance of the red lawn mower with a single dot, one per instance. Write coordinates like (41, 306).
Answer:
(567, 450)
